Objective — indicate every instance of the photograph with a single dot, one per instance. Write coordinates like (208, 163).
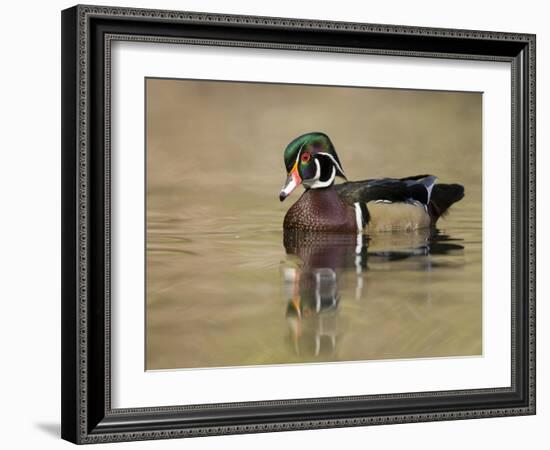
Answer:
(280, 222)
(300, 224)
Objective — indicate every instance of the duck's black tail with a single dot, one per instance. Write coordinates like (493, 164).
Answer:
(443, 196)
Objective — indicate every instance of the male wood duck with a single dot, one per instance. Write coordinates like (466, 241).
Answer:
(373, 205)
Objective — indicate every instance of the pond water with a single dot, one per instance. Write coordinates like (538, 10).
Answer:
(235, 290)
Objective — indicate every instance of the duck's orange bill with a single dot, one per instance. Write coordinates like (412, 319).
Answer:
(293, 180)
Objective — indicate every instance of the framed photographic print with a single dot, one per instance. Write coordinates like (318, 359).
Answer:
(281, 224)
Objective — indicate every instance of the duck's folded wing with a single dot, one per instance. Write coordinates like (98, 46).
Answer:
(421, 187)
(417, 188)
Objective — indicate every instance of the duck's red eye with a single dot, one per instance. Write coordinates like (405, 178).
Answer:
(306, 156)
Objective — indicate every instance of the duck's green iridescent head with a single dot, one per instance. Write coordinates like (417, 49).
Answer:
(311, 160)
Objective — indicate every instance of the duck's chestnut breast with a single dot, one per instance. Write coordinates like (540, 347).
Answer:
(321, 210)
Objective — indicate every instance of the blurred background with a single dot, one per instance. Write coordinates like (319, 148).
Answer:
(209, 136)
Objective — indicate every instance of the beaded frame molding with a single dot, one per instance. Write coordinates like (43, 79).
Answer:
(87, 35)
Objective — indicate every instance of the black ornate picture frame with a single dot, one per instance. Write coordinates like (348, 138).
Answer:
(87, 34)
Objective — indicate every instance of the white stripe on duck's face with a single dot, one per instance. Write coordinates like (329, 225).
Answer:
(334, 162)
(316, 182)
(326, 169)
(397, 217)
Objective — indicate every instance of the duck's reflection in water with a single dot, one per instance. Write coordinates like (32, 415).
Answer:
(321, 263)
